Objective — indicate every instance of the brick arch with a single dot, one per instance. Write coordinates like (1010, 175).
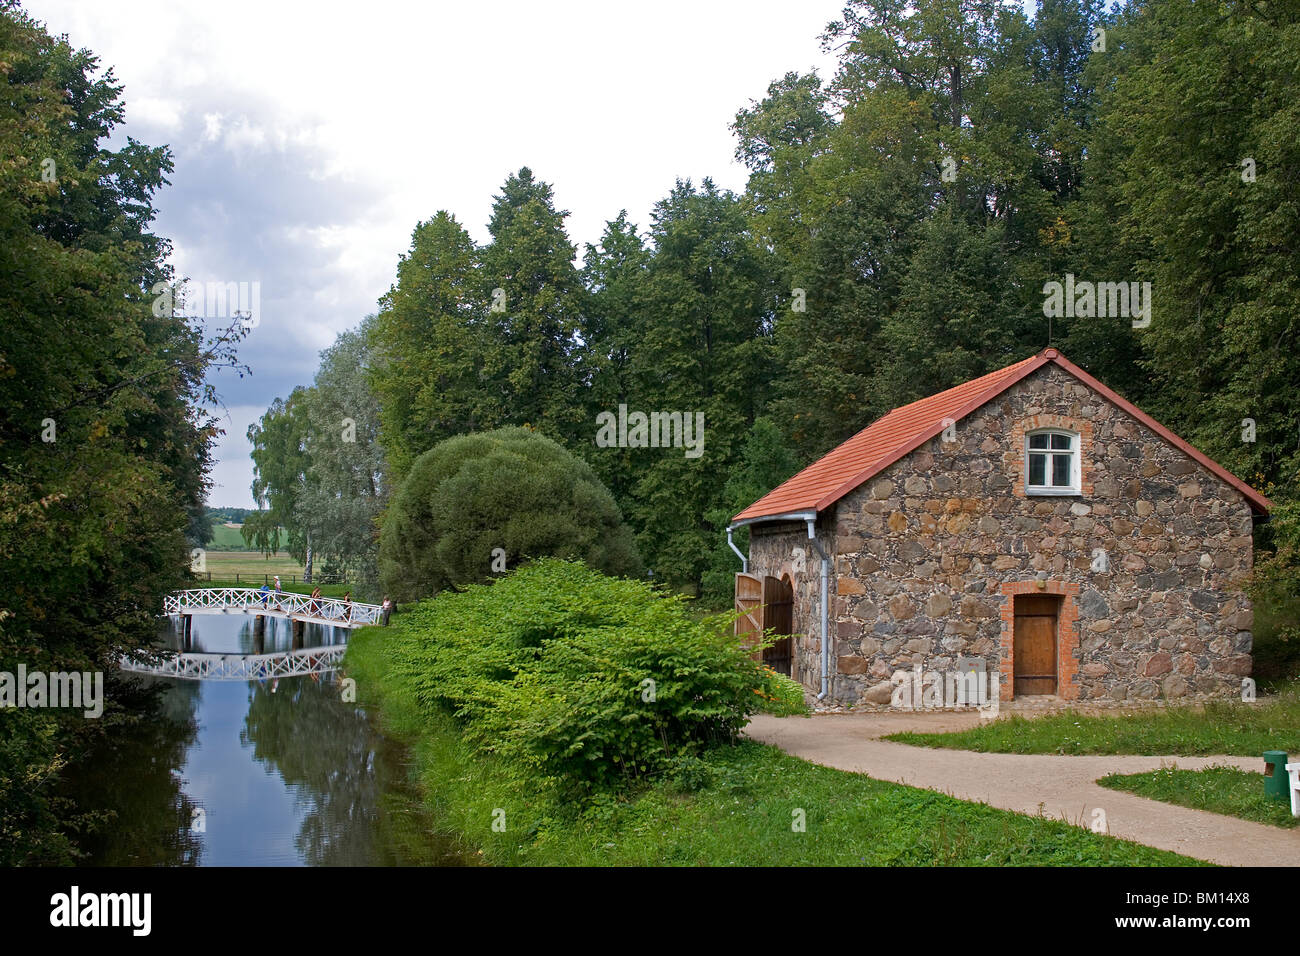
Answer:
(1067, 635)
(1014, 459)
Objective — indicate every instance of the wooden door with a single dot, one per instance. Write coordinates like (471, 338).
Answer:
(749, 602)
(1035, 643)
(778, 614)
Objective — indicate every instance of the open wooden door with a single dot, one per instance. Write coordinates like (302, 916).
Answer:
(749, 601)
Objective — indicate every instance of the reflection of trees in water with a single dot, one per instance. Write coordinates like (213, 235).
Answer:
(130, 782)
(360, 806)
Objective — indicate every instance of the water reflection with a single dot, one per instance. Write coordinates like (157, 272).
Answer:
(283, 772)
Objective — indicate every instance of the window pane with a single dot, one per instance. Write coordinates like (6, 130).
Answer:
(1061, 470)
(1060, 441)
(1038, 469)
(1038, 441)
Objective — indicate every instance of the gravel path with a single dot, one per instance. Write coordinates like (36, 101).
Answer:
(1059, 787)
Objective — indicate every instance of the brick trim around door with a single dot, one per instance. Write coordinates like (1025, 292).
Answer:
(1067, 636)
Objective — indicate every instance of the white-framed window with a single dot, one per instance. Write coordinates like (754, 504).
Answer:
(1052, 462)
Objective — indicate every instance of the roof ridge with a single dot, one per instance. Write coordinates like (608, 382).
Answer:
(905, 428)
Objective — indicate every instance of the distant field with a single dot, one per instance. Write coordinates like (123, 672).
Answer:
(224, 565)
(226, 539)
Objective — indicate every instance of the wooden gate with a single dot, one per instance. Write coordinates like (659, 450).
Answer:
(767, 603)
(1035, 643)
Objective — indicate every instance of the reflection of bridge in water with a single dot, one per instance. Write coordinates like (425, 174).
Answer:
(299, 609)
(190, 666)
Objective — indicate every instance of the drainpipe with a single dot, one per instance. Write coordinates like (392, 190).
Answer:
(744, 561)
(826, 574)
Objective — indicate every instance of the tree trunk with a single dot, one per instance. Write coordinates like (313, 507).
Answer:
(306, 567)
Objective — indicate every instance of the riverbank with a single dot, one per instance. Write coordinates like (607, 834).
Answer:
(746, 805)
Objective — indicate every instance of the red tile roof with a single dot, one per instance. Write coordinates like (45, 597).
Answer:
(905, 429)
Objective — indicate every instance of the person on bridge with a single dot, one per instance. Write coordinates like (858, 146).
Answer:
(315, 601)
(347, 605)
(265, 592)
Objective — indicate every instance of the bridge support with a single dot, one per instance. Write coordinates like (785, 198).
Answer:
(299, 630)
(259, 625)
(187, 627)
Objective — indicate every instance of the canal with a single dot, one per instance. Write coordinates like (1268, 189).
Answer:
(254, 773)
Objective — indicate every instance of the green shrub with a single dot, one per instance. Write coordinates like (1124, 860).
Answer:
(580, 681)
(512, 489)
(780, 695)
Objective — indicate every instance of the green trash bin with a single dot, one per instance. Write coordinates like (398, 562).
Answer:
(1276, 781)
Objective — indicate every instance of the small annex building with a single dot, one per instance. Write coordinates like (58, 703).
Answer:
(1029, 524)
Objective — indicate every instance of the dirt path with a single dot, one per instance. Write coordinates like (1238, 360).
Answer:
(1057, 786)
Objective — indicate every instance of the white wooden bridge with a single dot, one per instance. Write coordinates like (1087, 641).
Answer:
(313, 660)
(296, 607)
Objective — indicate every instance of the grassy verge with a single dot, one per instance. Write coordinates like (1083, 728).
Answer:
(740, 809)
(1226, 790)
(1221, 727)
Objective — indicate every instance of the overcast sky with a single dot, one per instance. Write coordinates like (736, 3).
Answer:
(310, 138)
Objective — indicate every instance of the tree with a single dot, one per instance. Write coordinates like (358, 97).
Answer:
(104, 437)
(614, 274)
(344, 488)
(765, 462)
(430, 343)
(1198, 125)
(476, 505)
(533, 360)
(703, 350)
(281, 462)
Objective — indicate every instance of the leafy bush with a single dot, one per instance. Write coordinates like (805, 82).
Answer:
(579, 680)
(512, 489)
(780, 695)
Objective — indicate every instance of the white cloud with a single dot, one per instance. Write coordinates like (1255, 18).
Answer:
(335, 133)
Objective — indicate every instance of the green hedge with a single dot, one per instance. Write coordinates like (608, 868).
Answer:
(579, 680)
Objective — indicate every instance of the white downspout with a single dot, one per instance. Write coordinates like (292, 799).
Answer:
(744, 561)
(826, 574)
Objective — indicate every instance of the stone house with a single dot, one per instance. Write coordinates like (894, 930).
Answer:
(1029, 524)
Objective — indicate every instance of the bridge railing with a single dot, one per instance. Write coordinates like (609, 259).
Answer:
(253, 599)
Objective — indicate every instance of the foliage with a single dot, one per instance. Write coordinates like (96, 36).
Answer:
(729, 806)
(319, 469)
(430, 342)
(104, 436)
(765, 462)
(780, 695)
(1275, 588)
(500, 496)
(578, 679)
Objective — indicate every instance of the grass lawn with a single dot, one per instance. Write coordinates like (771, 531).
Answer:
(1227, 790)
(226, 539)
(741, 809)
(1221, 727)
(224, 565)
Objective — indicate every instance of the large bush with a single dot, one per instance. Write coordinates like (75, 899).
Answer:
(579, 680)
(512, 489)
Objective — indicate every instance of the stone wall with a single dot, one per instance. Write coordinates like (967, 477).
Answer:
(931, 552)
(782, 549)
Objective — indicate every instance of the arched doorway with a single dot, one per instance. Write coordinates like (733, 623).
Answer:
(778, 595)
